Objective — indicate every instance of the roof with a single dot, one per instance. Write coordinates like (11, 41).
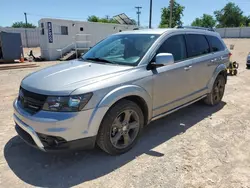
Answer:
(148, 31)
(78, 21)
(169, 30)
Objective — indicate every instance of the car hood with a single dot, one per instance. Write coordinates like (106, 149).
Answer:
(64, 78)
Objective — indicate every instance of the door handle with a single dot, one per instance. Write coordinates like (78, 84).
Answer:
(213, 60)
(223, 58)
(187, 68)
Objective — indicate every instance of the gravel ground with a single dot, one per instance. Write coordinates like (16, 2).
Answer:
(196, 147)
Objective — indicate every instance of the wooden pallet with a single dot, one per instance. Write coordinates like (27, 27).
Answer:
(17, 66)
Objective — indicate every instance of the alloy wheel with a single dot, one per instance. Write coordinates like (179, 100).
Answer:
(124, 129)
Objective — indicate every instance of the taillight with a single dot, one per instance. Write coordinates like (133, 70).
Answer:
(229, 55)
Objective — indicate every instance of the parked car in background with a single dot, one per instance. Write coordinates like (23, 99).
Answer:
(248, 61)
(120, 85)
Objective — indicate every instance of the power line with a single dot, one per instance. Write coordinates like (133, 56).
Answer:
(171, 13)
(26, 22)
(138, 13)
(150, 15)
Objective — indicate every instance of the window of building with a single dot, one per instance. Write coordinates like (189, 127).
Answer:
(42, 28)
(176, 46)
(197, 45)
(64, 30)
(81, 28)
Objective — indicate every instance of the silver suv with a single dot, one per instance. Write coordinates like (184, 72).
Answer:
(120, 85)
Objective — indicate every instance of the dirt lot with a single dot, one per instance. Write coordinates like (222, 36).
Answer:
(198, 146)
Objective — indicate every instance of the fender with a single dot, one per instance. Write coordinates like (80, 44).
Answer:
(220, 68)
(125, 91)
(111, 98)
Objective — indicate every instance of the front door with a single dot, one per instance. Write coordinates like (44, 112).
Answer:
(171, 83)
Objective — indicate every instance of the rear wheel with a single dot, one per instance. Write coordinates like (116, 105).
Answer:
(120, 128)
(217, 92)
(235, 72)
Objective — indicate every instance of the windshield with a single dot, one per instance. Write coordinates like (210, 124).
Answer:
(123, 49)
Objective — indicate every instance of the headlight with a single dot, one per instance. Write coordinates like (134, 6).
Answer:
(67, 104)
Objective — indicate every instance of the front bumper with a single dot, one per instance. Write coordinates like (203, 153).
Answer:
(33, 139)
(27, 133)
(51, 131)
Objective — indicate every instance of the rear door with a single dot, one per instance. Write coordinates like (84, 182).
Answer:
(199, 51)
(220, 53)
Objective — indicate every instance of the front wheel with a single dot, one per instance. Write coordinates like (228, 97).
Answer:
(217, 92)
(120, 128)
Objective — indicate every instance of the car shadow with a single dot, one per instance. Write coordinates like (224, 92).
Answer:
(68, 169)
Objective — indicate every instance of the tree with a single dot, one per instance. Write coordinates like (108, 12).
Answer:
(93, 19)
(230, 16)
(204, 21)
(176, 15)
(23, 25)
(246, 21)
(106, 19)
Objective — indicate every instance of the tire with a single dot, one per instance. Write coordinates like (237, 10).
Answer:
(114, 132)
(235, 72)
(248, 66)
(216, 94)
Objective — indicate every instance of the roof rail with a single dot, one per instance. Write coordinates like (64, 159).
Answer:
(195, 27)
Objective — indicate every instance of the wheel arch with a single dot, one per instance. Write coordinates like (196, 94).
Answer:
(220, 70)
(133, 93)
(140, 102)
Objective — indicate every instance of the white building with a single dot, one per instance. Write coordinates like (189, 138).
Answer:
(58, 37)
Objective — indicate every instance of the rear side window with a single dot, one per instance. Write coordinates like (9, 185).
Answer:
(215, 44)
(197, 45)
(176, 46)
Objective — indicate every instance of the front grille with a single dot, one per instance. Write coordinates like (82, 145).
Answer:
(31, 102)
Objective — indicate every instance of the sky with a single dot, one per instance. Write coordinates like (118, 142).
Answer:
(13, 10)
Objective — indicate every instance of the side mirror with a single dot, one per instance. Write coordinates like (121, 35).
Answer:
(163, 59)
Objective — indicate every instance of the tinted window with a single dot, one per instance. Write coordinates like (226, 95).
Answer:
(176, 46)
(197, 45)
(215, 44)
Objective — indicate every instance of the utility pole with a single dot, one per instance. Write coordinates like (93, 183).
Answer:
(138, 13)
(150, 15)
(171, 13)
(26, 22)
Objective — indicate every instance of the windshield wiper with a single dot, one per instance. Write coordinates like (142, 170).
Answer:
(99, 59)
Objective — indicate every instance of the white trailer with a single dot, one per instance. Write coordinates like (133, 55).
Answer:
(58, 37)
